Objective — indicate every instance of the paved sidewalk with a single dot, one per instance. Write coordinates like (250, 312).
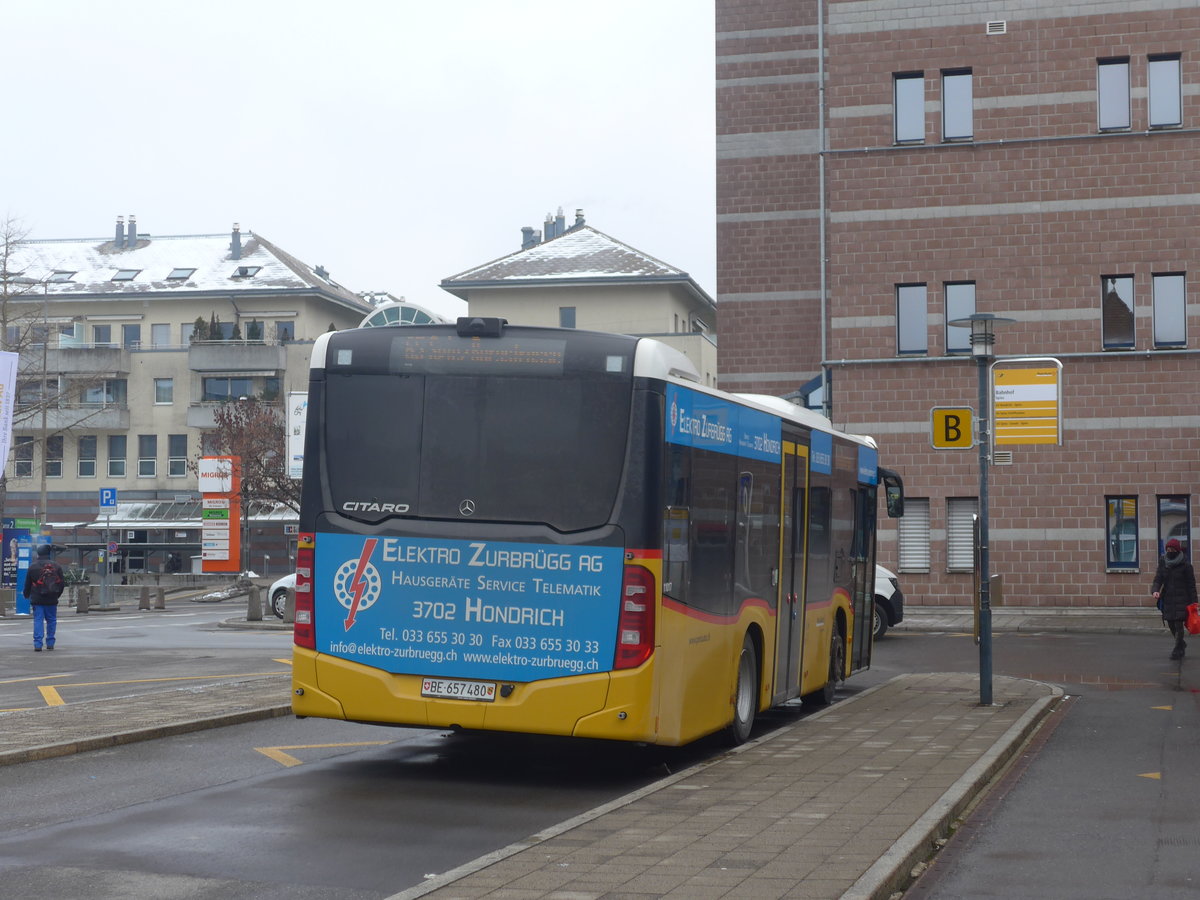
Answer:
(1082, 620)
(842, 804)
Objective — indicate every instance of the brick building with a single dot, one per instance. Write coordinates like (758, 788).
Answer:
(886, 167)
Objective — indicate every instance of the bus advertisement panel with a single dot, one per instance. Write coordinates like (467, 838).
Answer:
(468, 609)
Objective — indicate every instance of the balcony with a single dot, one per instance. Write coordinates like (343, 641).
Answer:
(77, 359)
(90, 416)
(236, 356)
(203, 414)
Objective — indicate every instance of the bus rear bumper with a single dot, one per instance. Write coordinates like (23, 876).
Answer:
(604, 705)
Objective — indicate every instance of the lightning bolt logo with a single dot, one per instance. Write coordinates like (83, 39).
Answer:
(357, 584)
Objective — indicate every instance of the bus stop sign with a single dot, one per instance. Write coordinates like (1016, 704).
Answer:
(952, 427)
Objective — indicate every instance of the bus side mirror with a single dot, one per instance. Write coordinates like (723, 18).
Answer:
(893, 492)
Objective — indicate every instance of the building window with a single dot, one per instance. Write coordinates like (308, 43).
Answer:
(1170, 310)
(914, 535)
(102, 336)
(180, 274)
(1112, 93)
(285, 331)
(1116, 311)
(176, 455)
(960, 533)
(909, 113)
(54, 456)
(271, 388)
(957, 105)
(245, 271)
(164, 390)
(87, 456)
(131, 337)
(1166, 108)
(60, 276)
(23, 457)
(1121, 532)
(126, 274)
(112, 392)
(960, 304)
(219, 390)
(566, 317)
(160, 335)
(912, 336)
(1175, 521)
(116, 456)
(147, 455)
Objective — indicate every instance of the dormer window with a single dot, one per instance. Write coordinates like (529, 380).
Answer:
(59, 277)
(180, 274)
(126, 274)
(245, 271)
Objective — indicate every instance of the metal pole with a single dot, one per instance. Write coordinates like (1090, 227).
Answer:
(985, 608)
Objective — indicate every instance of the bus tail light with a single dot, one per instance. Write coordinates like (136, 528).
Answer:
(635, 625)
(303, 632)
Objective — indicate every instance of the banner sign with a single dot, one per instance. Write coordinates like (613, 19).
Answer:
(8, 392)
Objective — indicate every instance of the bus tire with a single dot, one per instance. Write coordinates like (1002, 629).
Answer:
(745, 693)
(837, 672)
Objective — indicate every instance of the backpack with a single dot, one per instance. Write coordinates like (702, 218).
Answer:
(50, 582)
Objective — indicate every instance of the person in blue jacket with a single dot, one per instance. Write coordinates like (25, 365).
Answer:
(43, 586)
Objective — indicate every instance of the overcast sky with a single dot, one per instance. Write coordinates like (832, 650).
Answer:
(394, 142)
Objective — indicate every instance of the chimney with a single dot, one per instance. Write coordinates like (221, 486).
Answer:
(529, 237)
(560, 223)
(235, 243)
(578, 219)
(548, 228)
(119, 237)
(131, 234)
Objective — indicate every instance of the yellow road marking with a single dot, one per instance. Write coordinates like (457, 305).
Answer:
(51, 696)
(286, 662)
(1168, 708)
(1157, 776)
(37, 678)
(286, 759)
(17, 709)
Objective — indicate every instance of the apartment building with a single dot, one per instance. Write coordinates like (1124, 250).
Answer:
(127, 346)
(578, 277)
(887, 168)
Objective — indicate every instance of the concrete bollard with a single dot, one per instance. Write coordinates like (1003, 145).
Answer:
(83, 599)
(254, 606)
(160, 598)
(144, 598)
(289, 608)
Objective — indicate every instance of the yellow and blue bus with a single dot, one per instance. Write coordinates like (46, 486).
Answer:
(563, 532)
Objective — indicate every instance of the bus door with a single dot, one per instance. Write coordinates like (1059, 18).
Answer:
(863, 575)
(790, 610)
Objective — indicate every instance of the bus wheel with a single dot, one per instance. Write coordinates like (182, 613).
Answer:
(837, 672)
(745, 697)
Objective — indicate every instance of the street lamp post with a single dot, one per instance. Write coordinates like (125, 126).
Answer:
(983, 341)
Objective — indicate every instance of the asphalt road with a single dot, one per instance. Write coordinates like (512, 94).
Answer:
(1103, 805)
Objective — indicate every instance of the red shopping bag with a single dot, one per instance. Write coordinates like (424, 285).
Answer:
(1193, 619)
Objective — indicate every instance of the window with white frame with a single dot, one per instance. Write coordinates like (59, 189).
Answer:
(1112, 93)
(957, 105)
(1170, 310)
(54, 456)
(912, 335)
(914, 535)
(1166, 106)
(164, 390)
(116, 455)
(176, 455)
(909, 107)
(960, 304)
(160, 335)
(1116, 312)
(23, 456)
(86, 456)
(147, 455)
(960, 533)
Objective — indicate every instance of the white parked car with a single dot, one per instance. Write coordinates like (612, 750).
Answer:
(889, 601)
(277, 596)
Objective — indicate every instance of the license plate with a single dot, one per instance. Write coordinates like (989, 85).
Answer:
(459, 690)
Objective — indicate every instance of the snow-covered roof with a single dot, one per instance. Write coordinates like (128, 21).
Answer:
(103, 268)
(582, 254)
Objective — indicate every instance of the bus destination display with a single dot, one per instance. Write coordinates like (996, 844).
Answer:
(448, 354)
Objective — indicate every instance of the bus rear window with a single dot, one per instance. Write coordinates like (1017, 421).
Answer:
(494, 448)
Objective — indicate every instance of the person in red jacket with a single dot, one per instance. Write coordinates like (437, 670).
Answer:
(1174, 588)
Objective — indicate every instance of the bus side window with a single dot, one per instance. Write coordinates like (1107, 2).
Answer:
(677, 524)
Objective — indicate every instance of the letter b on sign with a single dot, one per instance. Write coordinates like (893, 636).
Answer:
(952, 428)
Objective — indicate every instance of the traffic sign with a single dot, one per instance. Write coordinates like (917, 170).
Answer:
(952, 427)
(108, 500)
(1027, 401)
